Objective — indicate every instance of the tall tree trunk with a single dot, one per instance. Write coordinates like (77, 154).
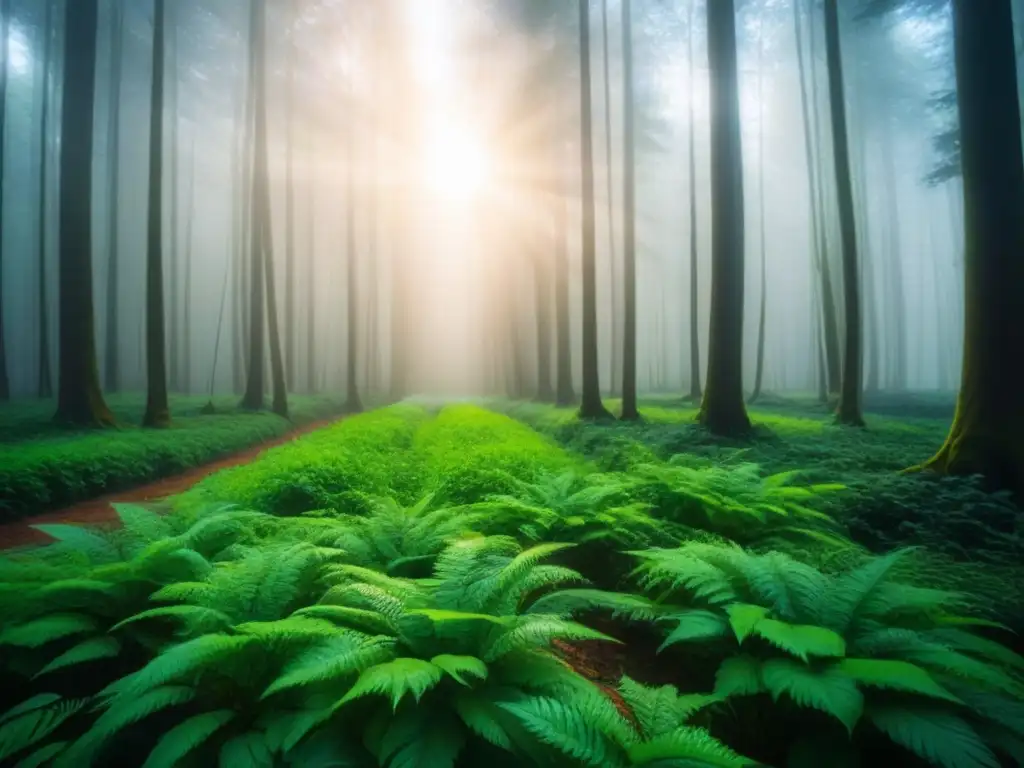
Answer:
(45, 389)
(849, 410)
(79, 399)
(158, 413)
(110, 352)
(565, 394)
(613, 257)
(5, 21)
(175, 159)
(629, 405)
(352, 402)
(830, 313)
(542, 294)
(695, 378)
(762, 234)
(186, 324)
(311, 385)
(987, 435)
(289, 211)
(591, 406)
(254, 387)
(239, 193)
(896, 309)
(722, 410)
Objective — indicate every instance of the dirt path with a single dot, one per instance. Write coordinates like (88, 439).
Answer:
(99, 511)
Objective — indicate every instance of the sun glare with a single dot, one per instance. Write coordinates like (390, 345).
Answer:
(457, 164)
(18, 50)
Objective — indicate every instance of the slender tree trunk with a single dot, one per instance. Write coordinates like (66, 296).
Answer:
(695, 377)
(629, 405)
(254, 388)
(722, 410)
(564, 391)
(311, 284)
(79, 399)
(289, 191)
(186, 325)
(762, 234)
(352, 402)
(828, 301)
(5, 20)
(613, 257)
(542, 294)
(158, 413)
(849, 410)
(987, 435)
(175, 160)
(111, 368)
(45, 389)
(591, 406)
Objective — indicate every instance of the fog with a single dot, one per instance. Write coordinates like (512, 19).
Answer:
(437, 142)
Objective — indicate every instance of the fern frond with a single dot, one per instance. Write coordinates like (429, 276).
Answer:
(529, 632)
(194, 619)
(46, 629)
(940, 738)
(687, 746)
(338, 657)
(93, 649)
(739, 676)
(183, 660)
(395, 679)
(568, 602)
(660, 710)
(32, 721)
(801, 640)
(187, 736)
(895, 676)
(694, 624)
(827, 690)
(457, 666)
(563, 727)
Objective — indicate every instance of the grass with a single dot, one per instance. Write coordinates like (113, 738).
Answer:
(45, 467)
(535, 591)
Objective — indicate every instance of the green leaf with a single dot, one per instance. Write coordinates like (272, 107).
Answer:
(686, 746)
(481, 717)
(696, 624)
(38, 701)
(185, 737)
(195, 617)
(34, 723)
(801, 640)
(39, 632)
(439, 616)
(563, 727)
(395, 679)
(248, 750)
(739, 676)
(827, 690)
(370, 621)
(940, 738)
(93, 649)
(743, 617)
(336, 658)
(894, 676)
(457, 666)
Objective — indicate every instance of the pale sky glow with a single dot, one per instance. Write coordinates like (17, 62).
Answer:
(18, 50)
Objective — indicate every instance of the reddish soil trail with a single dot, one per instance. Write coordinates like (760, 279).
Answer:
(99, 511)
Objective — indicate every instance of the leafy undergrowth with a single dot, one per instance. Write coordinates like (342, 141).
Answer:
(455, 590)
(975, 538)
(44, 466)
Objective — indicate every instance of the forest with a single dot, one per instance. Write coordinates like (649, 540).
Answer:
(557, 383)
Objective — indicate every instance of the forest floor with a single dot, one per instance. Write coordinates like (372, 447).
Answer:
(101, 511)
(46, 468)
(448, 501)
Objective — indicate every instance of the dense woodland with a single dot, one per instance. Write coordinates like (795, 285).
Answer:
(447, 383)
(271, 229)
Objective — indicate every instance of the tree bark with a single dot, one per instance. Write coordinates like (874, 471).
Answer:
(695, 378)
(849, 410)
(542, 298)
(175, 159)
(565, 394)
(45, 387)
(289, 214)
(254, 388)
(186, 322)
(79, 399)
(353, 404)
(722, 410)
(111, 366)
(629, 395)
(158, 413)
(591, 406)
(987, 435)
(613, 260)
(762, 234)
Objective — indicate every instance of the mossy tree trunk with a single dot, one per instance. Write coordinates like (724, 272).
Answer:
(849, 410)
(45, 386)
(158, 413)
(591, 406)
(111, 366)
(722, 409)
(79, 399)
(987, 435)
(629, 404)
